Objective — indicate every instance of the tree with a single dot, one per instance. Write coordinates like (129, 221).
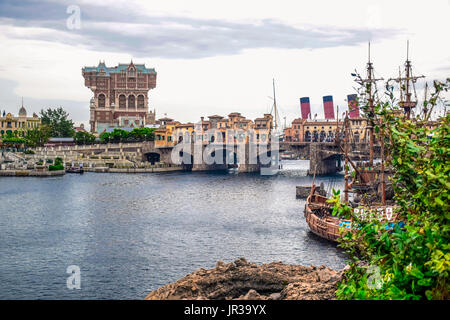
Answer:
(135, 135)
(104, 137)
(141, 134)
(37, 137)
(82, 137)
(13, 140)
(118, 135)
(58, 122)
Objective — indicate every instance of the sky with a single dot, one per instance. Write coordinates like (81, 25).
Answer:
(215, 57)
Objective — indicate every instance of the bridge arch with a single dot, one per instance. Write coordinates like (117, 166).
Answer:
(153, 157)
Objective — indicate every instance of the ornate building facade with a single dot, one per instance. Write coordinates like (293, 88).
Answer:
(121, 98)
(18, 125)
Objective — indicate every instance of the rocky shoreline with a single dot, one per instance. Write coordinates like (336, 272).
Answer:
(242, 280)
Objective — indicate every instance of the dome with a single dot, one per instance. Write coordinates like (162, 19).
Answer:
(22, 112)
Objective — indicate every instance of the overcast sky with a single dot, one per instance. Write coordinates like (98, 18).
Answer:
(215, 57)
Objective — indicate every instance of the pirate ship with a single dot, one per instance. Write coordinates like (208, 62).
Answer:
(368, 182)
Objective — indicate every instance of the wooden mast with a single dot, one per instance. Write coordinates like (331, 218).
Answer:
(405, 101)
(425, 102)
(370, 80)
(346, 134)
(275, 111)
(383, 178)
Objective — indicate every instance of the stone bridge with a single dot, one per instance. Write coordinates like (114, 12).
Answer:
(245, 157)
(192, 156)
(326, 157)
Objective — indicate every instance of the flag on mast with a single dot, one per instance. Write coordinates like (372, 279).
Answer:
(305, 107)
(328, 107)
(353, 106)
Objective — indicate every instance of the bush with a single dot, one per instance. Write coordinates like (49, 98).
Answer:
(120, 135)
(13, 140)
(410, 262)
(56, 167)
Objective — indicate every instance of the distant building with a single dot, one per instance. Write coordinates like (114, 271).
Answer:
(80, 128)
(121, 97)
(307, 130)
(233, 129)
(55, 142)
(19, 125)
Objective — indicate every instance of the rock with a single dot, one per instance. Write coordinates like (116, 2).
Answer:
(247, 281)
(240, 262)
(302, 192)
(275, 296)
(252, 295)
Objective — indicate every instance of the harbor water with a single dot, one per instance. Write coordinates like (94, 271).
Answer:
(132, 233)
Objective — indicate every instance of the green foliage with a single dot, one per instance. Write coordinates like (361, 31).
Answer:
(104, 137)
(412, 262)
(142, 134)
(37, 137)
(82, 137)
(13, 140)
(120, 135)
(58, 122)
(55, 167)
(339, 208)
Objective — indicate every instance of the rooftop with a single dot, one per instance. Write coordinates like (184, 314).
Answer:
(122, 67)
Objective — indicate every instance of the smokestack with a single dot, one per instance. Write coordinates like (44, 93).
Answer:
(328, 107)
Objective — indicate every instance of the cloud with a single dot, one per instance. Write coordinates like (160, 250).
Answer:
(125, 30)
(11, 102)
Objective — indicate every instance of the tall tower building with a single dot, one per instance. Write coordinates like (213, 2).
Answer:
(121, 98)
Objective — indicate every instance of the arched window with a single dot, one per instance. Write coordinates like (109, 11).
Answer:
(122, 101)
(308, 136)
(131, 102)
(323, 135)
(315, 136)
(140, 101)
(101, 100)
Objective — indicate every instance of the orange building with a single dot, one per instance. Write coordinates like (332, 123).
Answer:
(234, 129)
